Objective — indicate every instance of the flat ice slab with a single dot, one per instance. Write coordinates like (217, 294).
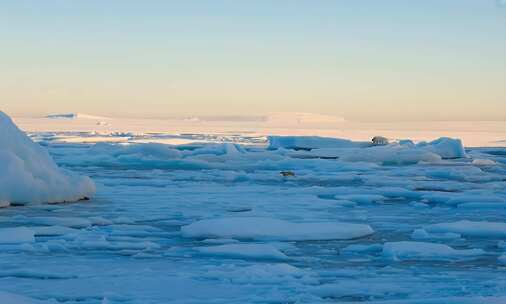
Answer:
(407, 250)
(16, 235)
(470, 228)
(247, 251)
(258, 228)
(10, 298)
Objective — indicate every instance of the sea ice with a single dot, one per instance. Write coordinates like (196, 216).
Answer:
(401, 153)
(26, 165)
(16, 235)
(257, 228)
(245, 251)
(470, 228)
(407, 250)
(312, 142)
(215, 211)
(10, 298)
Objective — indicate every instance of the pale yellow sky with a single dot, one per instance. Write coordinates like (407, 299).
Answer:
(426, 60)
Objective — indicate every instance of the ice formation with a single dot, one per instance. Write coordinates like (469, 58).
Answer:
(16, 235)
(401, 152)
(470, 229)
(257, 228)
(245, 251)
(404, 222)
(407, 250)
(312, 142)
(28, 174)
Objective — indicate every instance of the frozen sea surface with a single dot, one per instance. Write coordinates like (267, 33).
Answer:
(212, 220)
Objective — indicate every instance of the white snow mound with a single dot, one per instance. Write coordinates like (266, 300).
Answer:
(29, 175)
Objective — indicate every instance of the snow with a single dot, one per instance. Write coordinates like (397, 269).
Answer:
(27, 165)
(407, 250)
(199, 212)
(257, 228)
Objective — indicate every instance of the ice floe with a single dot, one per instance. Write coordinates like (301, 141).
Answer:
(407, 250)
(470, 228)
(10, 298)
(16, 235)
(246, 251)
(257, 228)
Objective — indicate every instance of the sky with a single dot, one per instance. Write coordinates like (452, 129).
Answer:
(363, 60)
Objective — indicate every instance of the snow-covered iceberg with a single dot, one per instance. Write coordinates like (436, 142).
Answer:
(402, 152)
(28, 174)
(445, 147)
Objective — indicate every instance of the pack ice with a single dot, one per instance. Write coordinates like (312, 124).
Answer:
(240, 217)
(29, 175)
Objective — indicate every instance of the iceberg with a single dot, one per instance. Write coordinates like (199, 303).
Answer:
(447, 148)
(28, 174)
(379, 150)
